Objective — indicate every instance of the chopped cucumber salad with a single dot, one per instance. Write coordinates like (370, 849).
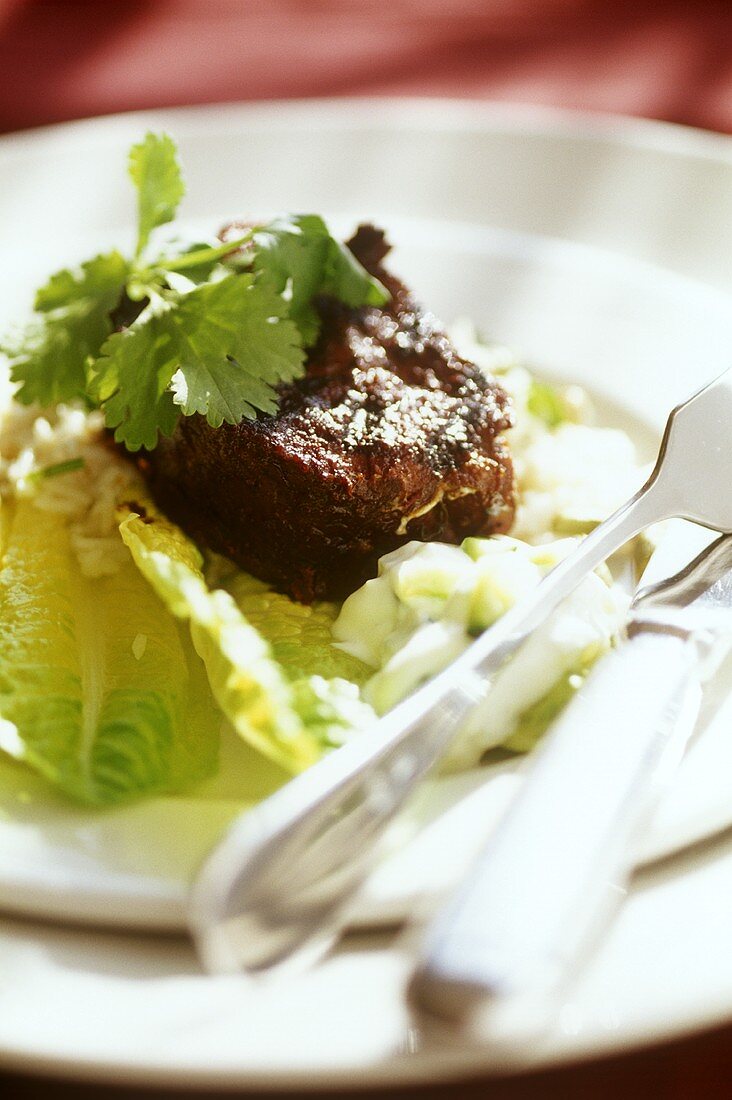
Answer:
(124, 650)
(430, 600)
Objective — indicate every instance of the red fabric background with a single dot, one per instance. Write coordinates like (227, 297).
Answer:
(669, 59)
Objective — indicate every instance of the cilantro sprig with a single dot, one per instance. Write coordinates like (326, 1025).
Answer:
(218, 326)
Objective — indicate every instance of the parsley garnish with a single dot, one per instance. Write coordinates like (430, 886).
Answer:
(219, 327)
(300, 252)
(155, 172)
(72, 321)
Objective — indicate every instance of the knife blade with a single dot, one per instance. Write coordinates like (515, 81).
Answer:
(499, 955)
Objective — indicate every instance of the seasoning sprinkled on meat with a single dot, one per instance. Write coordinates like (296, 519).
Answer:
(390, 436)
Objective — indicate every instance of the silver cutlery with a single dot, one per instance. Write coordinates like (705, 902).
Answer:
(499, 956)
(282, 876)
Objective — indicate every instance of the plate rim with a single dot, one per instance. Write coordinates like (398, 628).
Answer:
(429, 112)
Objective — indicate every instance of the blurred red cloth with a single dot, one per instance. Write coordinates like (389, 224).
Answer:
(669, 59)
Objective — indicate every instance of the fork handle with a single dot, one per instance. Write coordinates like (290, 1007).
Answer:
(513, 933)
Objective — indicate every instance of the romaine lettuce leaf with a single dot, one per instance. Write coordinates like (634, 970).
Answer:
(100, 690)
(247, 683)
(300, 636)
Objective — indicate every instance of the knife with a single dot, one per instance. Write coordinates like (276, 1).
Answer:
(498, 957)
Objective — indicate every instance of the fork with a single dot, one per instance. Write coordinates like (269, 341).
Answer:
(280, 880)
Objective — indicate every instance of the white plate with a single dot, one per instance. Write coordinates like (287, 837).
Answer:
(599, 248)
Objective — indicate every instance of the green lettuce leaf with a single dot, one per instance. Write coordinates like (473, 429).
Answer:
(246, 681)
(100, 691)
(325, 681)
(300, 636)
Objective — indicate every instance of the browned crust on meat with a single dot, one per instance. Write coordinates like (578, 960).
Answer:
(390, 436)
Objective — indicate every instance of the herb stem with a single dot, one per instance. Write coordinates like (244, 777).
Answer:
(57, 468)
(203, 255)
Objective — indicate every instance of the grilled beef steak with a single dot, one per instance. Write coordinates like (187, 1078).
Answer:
(390, 436)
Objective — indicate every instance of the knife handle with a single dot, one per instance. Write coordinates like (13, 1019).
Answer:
(511, 935)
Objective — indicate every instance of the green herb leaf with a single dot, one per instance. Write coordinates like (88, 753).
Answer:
(234, 345)
(299, 254)
(223, 347)
(217, 332)
(295, 251)
(131, 379)
(156, 174)
(104, 275)
(348, 281)
(49, 358)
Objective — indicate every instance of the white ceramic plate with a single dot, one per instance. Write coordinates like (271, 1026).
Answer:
(600, 249)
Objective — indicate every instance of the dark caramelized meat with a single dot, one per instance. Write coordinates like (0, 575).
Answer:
(390, 436)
